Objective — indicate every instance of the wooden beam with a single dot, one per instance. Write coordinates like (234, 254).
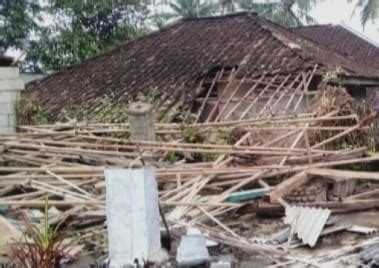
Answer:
(340, 80)
(343, 174)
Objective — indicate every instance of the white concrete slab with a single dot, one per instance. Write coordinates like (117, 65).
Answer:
(132, 215)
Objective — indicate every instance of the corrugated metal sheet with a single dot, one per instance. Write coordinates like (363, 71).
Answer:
(308, 223)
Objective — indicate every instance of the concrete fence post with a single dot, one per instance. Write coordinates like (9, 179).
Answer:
(132, 215)
(141, 121)
(11, 86)
(132, 201)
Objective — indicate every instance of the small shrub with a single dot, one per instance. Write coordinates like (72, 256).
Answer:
(39, 247)
(152, 95)
(29, 113)
(191, 135)
(208, 157)
(172, 157)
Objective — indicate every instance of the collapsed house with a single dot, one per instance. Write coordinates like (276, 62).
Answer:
(252, 124)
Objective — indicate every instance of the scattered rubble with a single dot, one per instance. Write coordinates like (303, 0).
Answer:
(234, 192)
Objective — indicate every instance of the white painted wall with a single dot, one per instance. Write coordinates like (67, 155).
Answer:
(11, 86)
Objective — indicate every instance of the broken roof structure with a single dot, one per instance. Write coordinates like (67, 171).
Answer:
(173, 62)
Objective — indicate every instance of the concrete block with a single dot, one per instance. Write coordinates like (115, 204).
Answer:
(9, 96)
(12, 120)
(7, 108)
(9, 73)
(4, 130)
(7, 120)
(4, 121)
(12, 85)
(132, 215)
(141, 121)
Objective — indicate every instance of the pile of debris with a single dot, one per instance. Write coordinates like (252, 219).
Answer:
(230, 180)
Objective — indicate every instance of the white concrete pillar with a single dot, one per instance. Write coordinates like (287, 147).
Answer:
(132, 215)
(132, 201)
(11, 86)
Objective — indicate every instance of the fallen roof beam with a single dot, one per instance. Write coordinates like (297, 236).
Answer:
(342, 80)
(343, 174)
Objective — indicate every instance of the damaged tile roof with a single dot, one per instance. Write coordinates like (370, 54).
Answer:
(342, 40)
(175, 59)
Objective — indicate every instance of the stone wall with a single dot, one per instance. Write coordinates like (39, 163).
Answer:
(10, 89)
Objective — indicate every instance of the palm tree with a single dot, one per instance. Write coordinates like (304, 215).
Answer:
(369, 10)
(192, 8)
(289, 13)
(227, 6)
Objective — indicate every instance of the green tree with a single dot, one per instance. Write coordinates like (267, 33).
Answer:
(18, 19)
(289, 13)
(227, 6)
(84, 28)
(192, 8)
(369, 10)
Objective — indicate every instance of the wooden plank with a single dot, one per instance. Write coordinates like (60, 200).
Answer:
(214, 109)
(217, 76)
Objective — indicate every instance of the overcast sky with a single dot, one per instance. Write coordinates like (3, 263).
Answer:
(338, 11)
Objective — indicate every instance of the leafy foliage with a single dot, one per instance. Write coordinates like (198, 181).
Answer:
(289, 13)
(369, 10)
(172, 157)
(192, 8)
(190, 134)
(152, 95)
(227, 6)
(18, 19)
(84, 28)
